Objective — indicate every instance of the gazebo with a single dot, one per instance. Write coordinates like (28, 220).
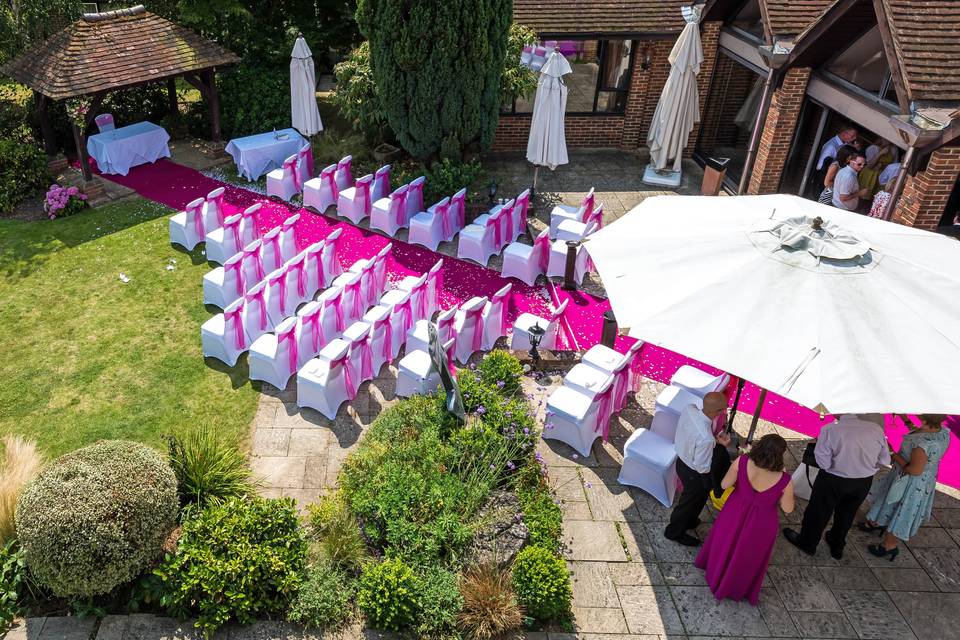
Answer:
(105, 52)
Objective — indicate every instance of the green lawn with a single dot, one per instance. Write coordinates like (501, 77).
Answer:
(84, 356)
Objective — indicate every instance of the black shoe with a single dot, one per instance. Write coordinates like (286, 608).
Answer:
(881, 552)
(836, 550)
(686, 540)
(866, 527)
(794, 538)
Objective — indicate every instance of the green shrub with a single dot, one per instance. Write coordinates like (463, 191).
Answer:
(542, 583)
(235, 561)
(332, 145)
(253, 99)
(517, 80)
(337, 533)
(542, 515)
(23, 172)
(440, 604)
(389, 595)
(146, 102)
(97, 517)
(13, 579)
(502, 370)
(325, 598)
(209, 469)
(357, 98)
(445, 177)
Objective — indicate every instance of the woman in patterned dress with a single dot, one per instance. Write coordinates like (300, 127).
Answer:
(903, 499)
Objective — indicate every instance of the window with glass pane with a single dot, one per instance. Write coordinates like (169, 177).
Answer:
(864, 64)
(600, 81)
(749, 19)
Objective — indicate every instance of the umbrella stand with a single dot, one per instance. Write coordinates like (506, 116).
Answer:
(756, 413)
(533, 188)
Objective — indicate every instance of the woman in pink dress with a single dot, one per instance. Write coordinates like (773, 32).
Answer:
(737, 550)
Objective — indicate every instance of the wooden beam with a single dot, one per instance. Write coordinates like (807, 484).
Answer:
(214, 99)
(172, 95)
(43, 115)
(198, 83)
(80, 143)
(896, 71)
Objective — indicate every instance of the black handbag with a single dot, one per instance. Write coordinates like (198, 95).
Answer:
(809, 458)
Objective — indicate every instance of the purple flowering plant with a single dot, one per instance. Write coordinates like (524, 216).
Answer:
(61, 201)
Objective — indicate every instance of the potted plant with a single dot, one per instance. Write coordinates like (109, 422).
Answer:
(385, 153)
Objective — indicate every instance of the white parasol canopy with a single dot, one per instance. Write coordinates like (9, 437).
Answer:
(304, 113)
(679, 107)
(861, 316)
(547, 145)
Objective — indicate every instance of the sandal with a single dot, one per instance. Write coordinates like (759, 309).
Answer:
(866, 527)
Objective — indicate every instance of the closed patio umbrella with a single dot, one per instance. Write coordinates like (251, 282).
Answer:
(838, 312)
(547, 145)
(679, 106)
(304, 113)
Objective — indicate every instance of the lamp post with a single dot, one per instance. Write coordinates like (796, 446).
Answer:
(535, 334)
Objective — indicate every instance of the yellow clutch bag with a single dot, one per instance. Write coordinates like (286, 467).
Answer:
(719, 502)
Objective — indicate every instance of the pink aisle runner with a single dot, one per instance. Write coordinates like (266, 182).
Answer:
(175, 185)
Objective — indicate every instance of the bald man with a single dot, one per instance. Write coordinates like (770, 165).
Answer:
(695, 444)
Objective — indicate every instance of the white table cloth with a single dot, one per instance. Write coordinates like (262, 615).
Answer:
(117, 150)
(261, 153)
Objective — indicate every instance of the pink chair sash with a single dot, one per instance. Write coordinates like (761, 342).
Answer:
(587, 207)
(399, 200)
(336, 267)
(274, 241)
(620, 383)
(306, 156)
(447, 327)
(233, 227)
(541, 246)
(330, 178)
(407, 309)
(290, 227)
(300, 265)
(503, 310)
(337, 301)
(366, 356)
(524, 204)
(233, 318)
(218, 203)
(197, 219)
(494, 221)
(460, 204)
(387, 337)
(344, 362)
(506, 221)
(421, 291)
(368, 273)
(281, 280)
(415, 192)
(343, 167)
(363, 194)
(290, 167)
(317, 265)
(437, 280)
(316, 330)
(258, 296)
(477, 328)
(290, 335)
(254, 254)
(605, 412)
(446, 224)
(357, 302)
(238, 267)
(380, 273)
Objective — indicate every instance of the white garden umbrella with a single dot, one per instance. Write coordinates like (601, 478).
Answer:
(679, 107)
(304, 113)
(547, 145)
(860, 316)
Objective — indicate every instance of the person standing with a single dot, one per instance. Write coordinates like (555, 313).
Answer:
(849, 452)
(903, 499)
(843, 156)
(738, 548)
(695, 443)
(846, 186)
(846, 135)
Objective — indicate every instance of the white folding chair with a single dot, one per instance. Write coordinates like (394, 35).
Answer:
(225, 241)
(697, 381)
(415, 197)
(254, 314)
(354, 202)
(297, 279)
(284, 183)
(468, 327)
(249, 231)
(426, 227)
(321, 192)
(280, 300)
(327, 381)
(314, 267)
(223, 285)
(522, 211)
(352, 301)
(186, 227)
(361, 352)
(223, 336)
(274, 357)
(400, 307)
(526, 263)
(495, 317)
(390, 214)
(520, 338)
(577, 419)
(332, 320)
(649, 463)
(213, 209)
(580, 213)
(252, 264)
(416, 375)
(419, 295)
(342, 175)
(288, 237)
(674, 400)
(606, 359)
(381, 183)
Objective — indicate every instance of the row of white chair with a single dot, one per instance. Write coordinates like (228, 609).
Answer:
(245, 269)
(322, 192)
(491, 232)
(439, 223)
(200, 217)
(288, 180)
(579, 412)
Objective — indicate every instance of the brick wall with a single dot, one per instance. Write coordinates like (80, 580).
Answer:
(656, 78)
(925, 195)
(709, 36)
(778, 132)
(581, 131)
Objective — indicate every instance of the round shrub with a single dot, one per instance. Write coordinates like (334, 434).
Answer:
(389, 595)
(542, 583)
(325, 599)
(97, 517)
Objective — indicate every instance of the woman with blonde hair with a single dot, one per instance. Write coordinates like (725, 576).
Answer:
(903, 499)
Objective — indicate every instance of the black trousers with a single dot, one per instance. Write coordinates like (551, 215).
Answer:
(696, 488)
(837, 497)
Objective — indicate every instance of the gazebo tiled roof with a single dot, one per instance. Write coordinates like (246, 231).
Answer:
(107, 51)
(600, 17)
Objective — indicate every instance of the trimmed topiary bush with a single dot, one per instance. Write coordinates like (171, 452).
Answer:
(389, 595)
(542, 583)
(97, 517)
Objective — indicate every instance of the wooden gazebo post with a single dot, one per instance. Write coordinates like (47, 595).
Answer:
(80, 139)
(46, 129)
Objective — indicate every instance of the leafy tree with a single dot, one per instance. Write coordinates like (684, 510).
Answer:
(24, 23)
(356, 96)
(518, 81)
(437, 67)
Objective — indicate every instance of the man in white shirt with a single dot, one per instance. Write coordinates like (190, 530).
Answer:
(695, 443)
(888, 174)
(847, 135)
(846, 186)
